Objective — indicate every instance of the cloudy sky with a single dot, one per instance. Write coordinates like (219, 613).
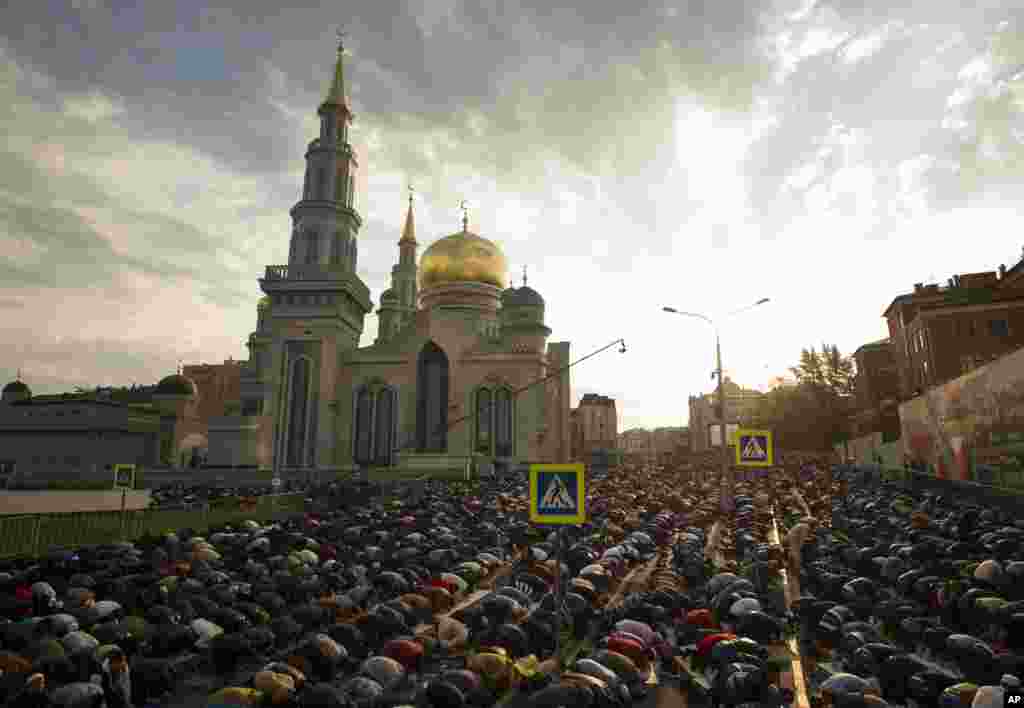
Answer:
(699, 154)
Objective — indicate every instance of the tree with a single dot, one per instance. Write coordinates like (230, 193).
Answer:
(829, 370)
(813, 414)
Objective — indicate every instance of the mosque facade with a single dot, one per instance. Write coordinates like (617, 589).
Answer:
(453, 374)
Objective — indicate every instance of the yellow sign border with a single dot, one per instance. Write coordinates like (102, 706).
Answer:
(117, 470)
(580, 517)
(768, 439)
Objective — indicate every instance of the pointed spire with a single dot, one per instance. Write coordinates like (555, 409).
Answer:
(465, 216)
(524, 276)
(409, 232)
(19, 375)
(336, 93)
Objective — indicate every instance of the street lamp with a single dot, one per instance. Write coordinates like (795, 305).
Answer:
(727, 481)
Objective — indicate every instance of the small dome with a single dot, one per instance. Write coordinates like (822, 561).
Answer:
(388, 294)
(17, 387)
(521, 296)
(463, 257)
(175, 385)
(16, 391)
(264, 303)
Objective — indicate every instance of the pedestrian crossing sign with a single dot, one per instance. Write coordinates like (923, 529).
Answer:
(124, 476)
(754, 448)
(557, 494)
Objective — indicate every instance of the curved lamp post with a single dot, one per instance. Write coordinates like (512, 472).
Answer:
(727, 480)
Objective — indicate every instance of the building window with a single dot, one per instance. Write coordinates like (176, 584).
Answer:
(999, 328)
(363, 436)
(312, 247)
(483, 421)
(971, 328)
(374, 425)
(297, 414)
(337, 246)
(321, 182)
(432, 399)
(384, 427)
(494, 422)
(503, 423)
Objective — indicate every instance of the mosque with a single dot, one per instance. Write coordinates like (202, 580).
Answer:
(461, 370)
(448, 380)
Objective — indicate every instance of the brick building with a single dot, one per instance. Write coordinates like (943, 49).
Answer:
(740, 408)
(594, 425)
(938, 333)
(661, 445)
(876, 392)
(637, 445)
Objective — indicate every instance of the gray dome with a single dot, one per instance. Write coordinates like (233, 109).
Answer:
(15, 392)
(515, 297)
(175, 385)
(17, 387)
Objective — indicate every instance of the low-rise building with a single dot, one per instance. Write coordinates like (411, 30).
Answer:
(670, 443)
(81, 435)
(594, 425)
(741, 406)
(637, 445)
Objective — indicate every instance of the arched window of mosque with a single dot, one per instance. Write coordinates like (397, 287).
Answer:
(351, 191)
(299, 393)
(321, 182)
(503, 423)
(363, 424)
(483, 421)
(312, 247)
(432, 389)
(384, 426)
(339, 186)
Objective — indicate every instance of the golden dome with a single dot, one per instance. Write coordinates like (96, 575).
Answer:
(463, 257)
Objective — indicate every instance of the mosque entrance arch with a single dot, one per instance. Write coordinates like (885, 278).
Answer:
(432, 399)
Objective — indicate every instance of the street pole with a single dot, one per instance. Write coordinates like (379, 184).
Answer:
(725, 502)
(727, 482)
(124, 505)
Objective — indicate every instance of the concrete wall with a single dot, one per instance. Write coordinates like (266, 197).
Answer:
(74, 455)
(948, 425)
(31, 502)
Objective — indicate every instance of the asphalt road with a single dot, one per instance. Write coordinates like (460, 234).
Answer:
(45, 502)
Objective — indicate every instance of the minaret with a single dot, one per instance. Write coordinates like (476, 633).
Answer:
(398, 303)
(325, 221)
(404, 274)
(317, 303)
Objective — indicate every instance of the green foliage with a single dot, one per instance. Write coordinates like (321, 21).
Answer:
(813, 414)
